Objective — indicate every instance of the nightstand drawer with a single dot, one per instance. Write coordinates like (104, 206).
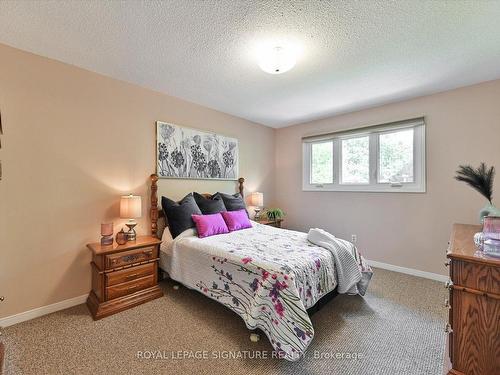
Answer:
(130, 287)
(130, 274)
(129, 257)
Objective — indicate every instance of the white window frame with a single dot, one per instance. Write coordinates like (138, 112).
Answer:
(419, 165)
(309, 160)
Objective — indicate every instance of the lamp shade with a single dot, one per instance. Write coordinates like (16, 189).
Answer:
(257, 199)
(130, 206)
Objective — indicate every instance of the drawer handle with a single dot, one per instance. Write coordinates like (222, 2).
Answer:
(133, 287)
(132, 276)
(448, 285)
(447, 328)
(148, 252)
(447, 303)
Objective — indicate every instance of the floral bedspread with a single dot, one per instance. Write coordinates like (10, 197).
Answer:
(268, 276)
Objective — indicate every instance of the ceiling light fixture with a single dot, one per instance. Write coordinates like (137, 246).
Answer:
(277, 60)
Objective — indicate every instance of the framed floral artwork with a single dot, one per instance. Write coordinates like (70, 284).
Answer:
(190, 153)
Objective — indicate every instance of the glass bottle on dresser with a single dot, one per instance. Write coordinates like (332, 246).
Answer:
(491, 232)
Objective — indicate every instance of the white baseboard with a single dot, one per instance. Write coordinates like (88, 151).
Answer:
(40, 311)
(409, 271)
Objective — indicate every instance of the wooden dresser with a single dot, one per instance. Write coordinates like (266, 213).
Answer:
(123, 276)
(474, 303)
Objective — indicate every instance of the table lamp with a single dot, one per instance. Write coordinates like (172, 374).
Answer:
(130, 208)
(257, 200)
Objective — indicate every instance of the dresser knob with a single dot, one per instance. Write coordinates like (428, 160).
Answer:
(447, 328)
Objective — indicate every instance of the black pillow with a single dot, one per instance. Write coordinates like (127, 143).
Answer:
(179, 214)
(233, 202)
(212, 205)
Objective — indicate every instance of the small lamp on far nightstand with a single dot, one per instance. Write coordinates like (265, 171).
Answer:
(257, 200)
(130, 208)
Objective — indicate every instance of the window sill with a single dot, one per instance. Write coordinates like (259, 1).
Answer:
(367, 189)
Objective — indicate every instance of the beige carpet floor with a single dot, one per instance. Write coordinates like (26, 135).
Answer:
(396, 329)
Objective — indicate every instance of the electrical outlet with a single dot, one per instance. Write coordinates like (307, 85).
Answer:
(354, 238)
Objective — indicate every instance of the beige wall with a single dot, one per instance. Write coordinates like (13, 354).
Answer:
(407, 230)
(73, 142)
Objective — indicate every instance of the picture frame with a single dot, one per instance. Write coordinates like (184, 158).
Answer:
(187, 153)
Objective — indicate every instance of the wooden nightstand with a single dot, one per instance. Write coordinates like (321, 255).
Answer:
(276, 223)
(123, 276)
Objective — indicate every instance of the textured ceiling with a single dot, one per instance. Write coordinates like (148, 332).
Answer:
(354, 54)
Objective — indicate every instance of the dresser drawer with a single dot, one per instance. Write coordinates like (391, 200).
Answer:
(130, 274)
(130, 287)
(482, 277)
(130, 257)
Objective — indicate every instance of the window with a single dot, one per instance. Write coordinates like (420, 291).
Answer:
(322, 163)
(383, 158)
(396, 156)
(355, 161)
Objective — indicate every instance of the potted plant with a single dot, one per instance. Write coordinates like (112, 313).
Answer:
(274, 214)
(480, 179)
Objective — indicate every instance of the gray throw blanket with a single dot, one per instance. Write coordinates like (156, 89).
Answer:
(353, 273)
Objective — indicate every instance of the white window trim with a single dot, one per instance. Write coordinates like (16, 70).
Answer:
(419, 162)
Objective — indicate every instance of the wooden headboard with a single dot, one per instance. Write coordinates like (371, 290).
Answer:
(156, 213)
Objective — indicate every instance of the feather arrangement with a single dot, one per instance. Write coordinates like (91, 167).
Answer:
(480, 179)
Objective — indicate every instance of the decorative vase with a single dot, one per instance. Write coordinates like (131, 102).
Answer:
(121, 237)
(488, 210)
(106, 234)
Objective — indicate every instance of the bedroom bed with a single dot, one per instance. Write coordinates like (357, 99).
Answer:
(272, 278)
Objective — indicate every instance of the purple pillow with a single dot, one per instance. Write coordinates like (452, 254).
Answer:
(236, 220)
(209, 225)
